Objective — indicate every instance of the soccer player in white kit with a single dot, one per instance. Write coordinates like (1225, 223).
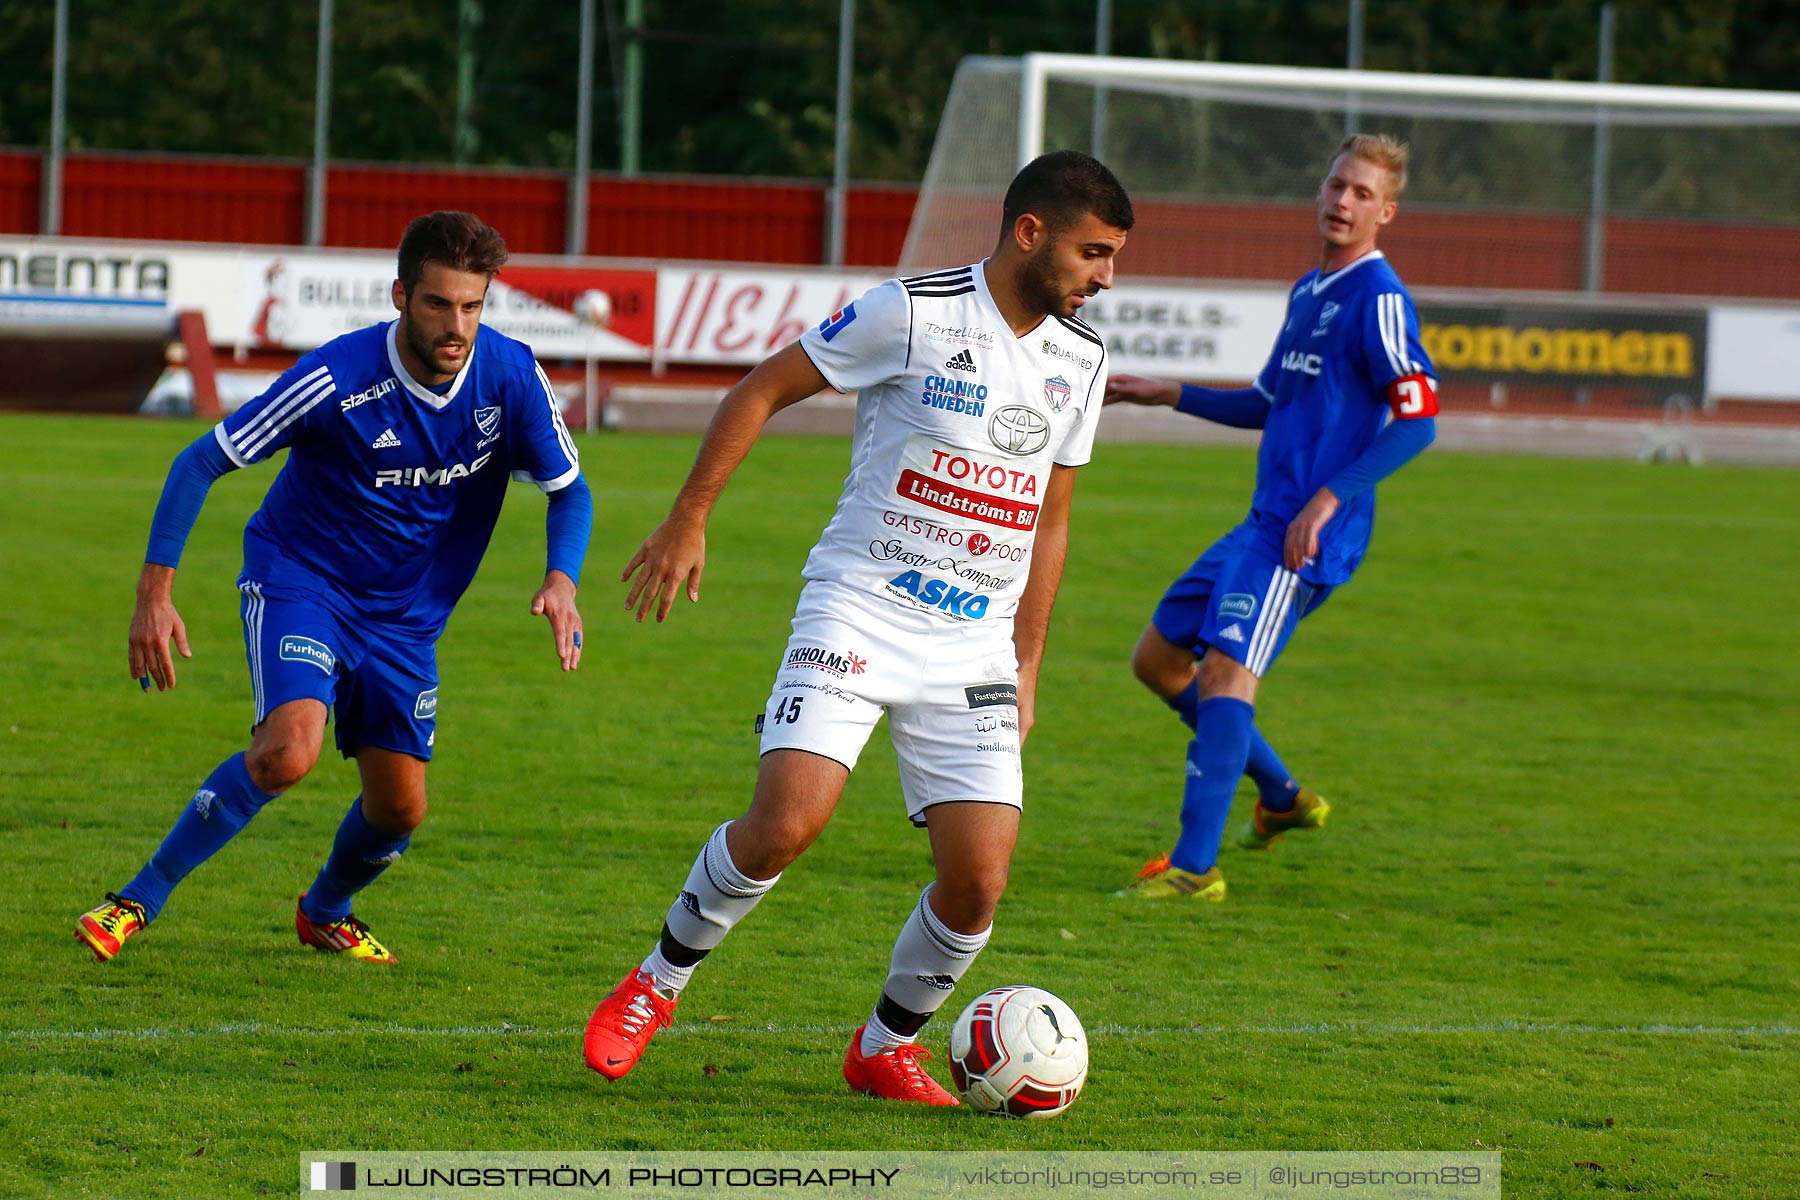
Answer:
(928, 596)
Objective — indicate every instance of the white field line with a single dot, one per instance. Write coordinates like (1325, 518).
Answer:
(730, 1028)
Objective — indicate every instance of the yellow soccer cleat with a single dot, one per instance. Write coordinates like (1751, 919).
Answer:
(106, 929)
(1266, 828)
(348, 936)
(1160, 881)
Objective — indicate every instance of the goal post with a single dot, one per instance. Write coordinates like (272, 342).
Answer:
(1515, 184)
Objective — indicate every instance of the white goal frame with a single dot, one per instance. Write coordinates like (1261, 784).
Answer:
(1614, 100)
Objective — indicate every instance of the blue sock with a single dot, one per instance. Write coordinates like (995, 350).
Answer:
(1187, 703)
(1265, 768)
(360, 853)
(1215, 759)
(223, 805)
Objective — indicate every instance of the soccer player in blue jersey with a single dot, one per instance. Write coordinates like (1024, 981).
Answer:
(401, 438)
(1348, 357)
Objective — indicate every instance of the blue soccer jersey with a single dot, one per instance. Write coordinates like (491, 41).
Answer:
(391, 489)
(1348, 354)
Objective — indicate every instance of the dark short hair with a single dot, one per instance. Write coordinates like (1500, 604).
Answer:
(1061, 187)
(458, 240)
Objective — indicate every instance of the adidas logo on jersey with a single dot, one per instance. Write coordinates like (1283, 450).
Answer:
(387, 441)
(962, 362)
(1233, 633)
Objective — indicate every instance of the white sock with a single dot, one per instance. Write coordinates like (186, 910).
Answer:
(929, 958)
(668, 977)
(715, 897)
(877, 1038)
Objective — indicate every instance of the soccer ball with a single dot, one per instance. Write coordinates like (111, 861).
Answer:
(1018, 1051)
(594, 307)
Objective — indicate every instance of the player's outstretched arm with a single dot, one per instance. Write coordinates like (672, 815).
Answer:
(674, 555)
(1140, 389)
(154, 622)
(555, 600)
(1031, 624)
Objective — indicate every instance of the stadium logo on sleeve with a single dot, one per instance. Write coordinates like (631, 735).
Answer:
(303, 649)
(1057, 393)
(833, 325)
(487, 419)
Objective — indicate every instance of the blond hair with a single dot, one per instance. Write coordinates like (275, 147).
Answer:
(1386, 152)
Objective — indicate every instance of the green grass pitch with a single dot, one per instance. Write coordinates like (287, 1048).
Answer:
(1555, 911)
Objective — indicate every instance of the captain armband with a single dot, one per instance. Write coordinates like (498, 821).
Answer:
(1413, 396)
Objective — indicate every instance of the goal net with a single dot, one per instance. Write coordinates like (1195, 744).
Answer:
(1515, 184)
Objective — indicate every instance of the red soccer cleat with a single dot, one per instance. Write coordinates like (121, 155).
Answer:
(624, 1023)
(894, 1074)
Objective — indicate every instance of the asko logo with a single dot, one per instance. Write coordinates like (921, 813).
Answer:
(817, 658)
(938, 594)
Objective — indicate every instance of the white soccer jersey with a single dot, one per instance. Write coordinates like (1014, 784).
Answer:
(958, 423)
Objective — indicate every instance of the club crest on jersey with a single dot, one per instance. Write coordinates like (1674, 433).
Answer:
(1325, 314)
(1057, 393)
(487, 419)
(833, 325)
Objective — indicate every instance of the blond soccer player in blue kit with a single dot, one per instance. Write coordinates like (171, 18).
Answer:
(1347, 398)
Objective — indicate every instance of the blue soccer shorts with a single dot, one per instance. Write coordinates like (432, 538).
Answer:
(380, 682)
(1239, 601)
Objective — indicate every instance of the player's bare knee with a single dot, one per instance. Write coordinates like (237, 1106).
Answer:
(276, 764)
(1223, 675)
(1163, 668)
(967, 902)
(763, 844)
(397, 816)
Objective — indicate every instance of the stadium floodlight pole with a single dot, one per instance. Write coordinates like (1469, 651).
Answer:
(1102, 47)
(315, 192)
(50, 217)
(840, 155)
(631, 112)
(1353, 60)
(576, 242)
(1594, 266)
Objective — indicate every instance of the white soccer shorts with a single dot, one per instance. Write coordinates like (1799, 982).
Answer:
(950, 692)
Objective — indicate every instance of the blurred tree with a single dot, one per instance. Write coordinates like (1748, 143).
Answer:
(747, 87)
